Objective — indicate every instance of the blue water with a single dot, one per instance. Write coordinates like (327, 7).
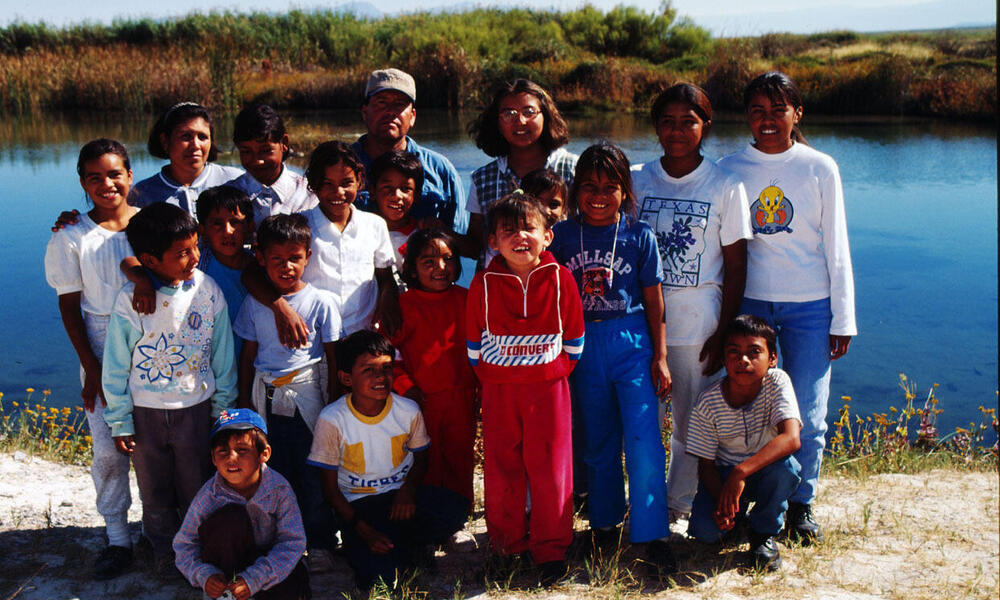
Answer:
(921, 204)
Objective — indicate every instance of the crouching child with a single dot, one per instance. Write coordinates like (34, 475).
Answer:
(243, 532)
(372, 448)
(743, 430)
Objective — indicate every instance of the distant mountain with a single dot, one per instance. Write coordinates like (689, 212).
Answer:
(361, 10)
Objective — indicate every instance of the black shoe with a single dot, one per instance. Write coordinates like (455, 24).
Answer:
(800, 524)
(764, 552)
(112, 562)
(551, 572)
(660, 559)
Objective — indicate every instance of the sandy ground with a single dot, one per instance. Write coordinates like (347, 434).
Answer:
(932, 535)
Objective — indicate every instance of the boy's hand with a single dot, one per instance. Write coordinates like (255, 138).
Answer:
(377, 542)
(403, 506)
(66, 217)
(292, 330)
(240, 589)
(728, 505)
(92, 389)
(144, 297)
(711, 354)
(215, 585)
(126, 445)
(661, 376)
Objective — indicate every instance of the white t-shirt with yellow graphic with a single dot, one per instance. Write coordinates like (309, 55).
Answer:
(372, 455)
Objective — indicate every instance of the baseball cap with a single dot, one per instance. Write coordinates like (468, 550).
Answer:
(238, 418)
(391, 79)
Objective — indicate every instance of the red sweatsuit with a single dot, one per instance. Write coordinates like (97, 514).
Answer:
(523, 340)
(432, 344)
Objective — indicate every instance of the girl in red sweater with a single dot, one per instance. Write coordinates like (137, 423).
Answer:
(437, 371)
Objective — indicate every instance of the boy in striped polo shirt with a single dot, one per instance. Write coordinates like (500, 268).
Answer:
(743, 430)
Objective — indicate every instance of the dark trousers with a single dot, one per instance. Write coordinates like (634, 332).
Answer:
(227, 542)
(291, 440)
(440, 513)
(171, 461)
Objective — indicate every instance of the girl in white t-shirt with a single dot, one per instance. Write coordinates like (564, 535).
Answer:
(701, 218)
(799, 275)
(81, 263)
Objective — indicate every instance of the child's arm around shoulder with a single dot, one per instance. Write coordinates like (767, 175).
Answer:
(292, 329)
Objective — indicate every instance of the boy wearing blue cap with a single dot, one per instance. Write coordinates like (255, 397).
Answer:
(243, 531)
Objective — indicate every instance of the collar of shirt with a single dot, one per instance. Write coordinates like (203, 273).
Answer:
(159, 284)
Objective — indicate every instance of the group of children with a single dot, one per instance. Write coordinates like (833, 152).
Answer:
(343, 367)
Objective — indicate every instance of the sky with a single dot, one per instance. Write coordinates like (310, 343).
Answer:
(722, 17)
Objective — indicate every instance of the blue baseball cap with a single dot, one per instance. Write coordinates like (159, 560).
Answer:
(238, 418)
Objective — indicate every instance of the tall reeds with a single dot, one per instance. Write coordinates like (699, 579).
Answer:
(591, 59)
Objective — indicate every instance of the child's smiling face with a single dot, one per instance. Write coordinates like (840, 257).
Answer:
(239, 463)
(521, 119)
(177, 263)
(338, 190)
(599, 198)
(370, 378)
(225, 231)
(106, 181)
(394, 196)
(436, 267)
(771, 122)
(521, 244)
(263, 159)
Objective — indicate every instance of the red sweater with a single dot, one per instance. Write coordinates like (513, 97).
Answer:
(524, 333)
(431, 340)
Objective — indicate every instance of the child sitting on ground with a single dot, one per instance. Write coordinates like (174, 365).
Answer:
(167, 374)
(396, 177)
(243, 532)
(744, 429)
(283, 384)
(372, 447)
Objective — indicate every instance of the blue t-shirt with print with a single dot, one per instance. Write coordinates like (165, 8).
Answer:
(232, 288)
(611, 272)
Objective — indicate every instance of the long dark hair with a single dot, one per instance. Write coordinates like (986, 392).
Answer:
(485, 130)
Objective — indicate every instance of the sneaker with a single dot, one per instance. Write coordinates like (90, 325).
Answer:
(800, 524)
(674, 516)
(764, 552)
(660, 559)
(112, 562)
(552, 572)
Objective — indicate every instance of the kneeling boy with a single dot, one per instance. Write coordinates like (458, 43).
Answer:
(243, 532)
(372, 447)
(744, 429)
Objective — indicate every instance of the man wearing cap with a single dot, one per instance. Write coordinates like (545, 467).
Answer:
(243, 531)
(389, 114)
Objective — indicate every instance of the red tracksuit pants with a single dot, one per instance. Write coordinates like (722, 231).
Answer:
(527, 444)
(451, 424)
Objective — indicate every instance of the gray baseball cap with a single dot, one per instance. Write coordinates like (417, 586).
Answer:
(391, 79)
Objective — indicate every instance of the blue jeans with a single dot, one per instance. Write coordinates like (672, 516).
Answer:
(614, 390)
(768, 489)
(803, 330)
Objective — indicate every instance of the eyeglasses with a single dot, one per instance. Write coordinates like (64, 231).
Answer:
(512, 114)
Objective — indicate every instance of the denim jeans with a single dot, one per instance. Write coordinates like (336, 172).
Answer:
(803, 330)
(768, 489)
(613, 387)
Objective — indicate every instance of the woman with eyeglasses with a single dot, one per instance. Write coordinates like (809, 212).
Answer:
(524, 132)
